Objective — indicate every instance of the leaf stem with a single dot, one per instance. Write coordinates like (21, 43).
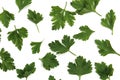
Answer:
(72, 53)
(65, 5)
(109, 78)
(19, 11)
(40, 59)
(37, 28)
(97, 13)
(15, 27)
(117, 54)
(3, 8)
(112, 31)
(64, 8)
(79, 77)
(26, 78)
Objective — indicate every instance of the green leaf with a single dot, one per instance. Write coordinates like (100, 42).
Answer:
(104, 71)
(109, 20)
(34, 17)
(51, 78)
(60, 17)
(27, 71)
(6, 17)
(85, 34)
(63, 47)
(7, 61)
(69, 17)
(35, 47)
(105, 47)
(17, 37)
(85, 6)
(80, 67)
(22, 3)
(49, 61)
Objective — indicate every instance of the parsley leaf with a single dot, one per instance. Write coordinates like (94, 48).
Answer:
(7, 61)
(22, 3)
(17, 36)
(105, 47)
(34, 17)
(6, 17)
(27, 71)
(104, 71)
(35, 47)
(49, 61)
(51, 78)
(63, 47)
(85, 34)
(85, 6)
(60, 17)
(109, 20)
(80, 67)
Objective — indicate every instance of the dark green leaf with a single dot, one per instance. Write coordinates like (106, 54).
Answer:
(17, 36)
(49, 61)
(60, 17)
(85, 6)
(35, 47)
(105, 47)
(109, 20)
(63, 47)
(51, 78)
(6, 17)
(80, 67)
(85, 34)
(22, 3)
(34, 17)
(27, 71)
(103, 70)
(7, 61)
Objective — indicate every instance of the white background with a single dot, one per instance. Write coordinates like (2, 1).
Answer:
(87, 49)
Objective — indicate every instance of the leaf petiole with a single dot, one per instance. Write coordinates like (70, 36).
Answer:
(97, 13)
(108, 78)
(37, 28)
(64, 8)
(117, 54)
(79, 77)
(72, 53)
(112, 31)
(3, 8)
(15, 27)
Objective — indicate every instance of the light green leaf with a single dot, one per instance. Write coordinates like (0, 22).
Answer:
(105, 47)
(60, 17)
(109, 20)
(85, 34)
(85, 6)
(22, 3)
